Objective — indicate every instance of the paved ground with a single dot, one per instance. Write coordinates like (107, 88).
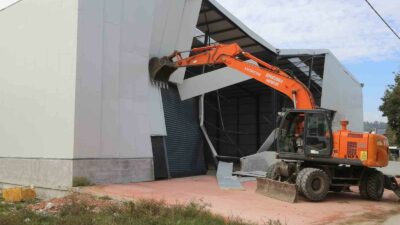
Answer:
(394, 220)
(339, 207)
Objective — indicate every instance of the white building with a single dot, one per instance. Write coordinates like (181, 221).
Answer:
(76, 99)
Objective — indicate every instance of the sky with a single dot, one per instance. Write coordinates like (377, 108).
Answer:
(349, 28)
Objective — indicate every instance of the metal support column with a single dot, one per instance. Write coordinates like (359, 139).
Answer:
(275, 96)
(258, 121)
(310, 72)
(237, 122)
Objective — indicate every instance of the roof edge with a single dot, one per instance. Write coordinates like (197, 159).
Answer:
(242, 26)
(317, 52)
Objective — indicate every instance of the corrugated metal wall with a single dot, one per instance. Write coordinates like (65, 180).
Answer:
(184, 141)
(248, 111)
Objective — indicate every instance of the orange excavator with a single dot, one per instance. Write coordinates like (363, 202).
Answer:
(313, 159)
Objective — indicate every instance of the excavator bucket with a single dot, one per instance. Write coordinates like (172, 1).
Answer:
(276, 189)
(160, 69)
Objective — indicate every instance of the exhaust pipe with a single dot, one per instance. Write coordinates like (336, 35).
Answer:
(160, 69)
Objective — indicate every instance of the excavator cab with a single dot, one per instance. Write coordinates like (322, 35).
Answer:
(304, 134)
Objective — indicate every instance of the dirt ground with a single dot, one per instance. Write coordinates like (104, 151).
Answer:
(338, 208)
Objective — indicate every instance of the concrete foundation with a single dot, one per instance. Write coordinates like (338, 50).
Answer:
(102, 171)
(54, 177)
(43, 173)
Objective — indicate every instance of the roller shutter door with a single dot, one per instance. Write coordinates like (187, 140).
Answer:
(184, 142)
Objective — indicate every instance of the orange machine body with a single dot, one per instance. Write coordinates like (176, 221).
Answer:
(371, 149)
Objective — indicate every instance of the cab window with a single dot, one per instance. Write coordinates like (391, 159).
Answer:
(318, 137)
(291, 133)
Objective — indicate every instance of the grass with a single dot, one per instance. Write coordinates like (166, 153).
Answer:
(141, 212)
(105, 197)
(81, 182)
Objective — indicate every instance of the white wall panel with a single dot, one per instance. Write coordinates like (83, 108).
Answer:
(112, 11)
(343, 93)
(165, 31)
(186, 33)
(137, 21)
(210, 81)
(159, 24)
(37, 78)
(173, 29)
(113, 110)
(89, 78)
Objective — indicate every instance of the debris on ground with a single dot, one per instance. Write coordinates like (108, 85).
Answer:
(18, 194)
(56, 204)
(225, 179)
(90, 210)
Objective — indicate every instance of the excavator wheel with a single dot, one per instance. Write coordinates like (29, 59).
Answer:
(375, 186)
(271, 172)
(299, 178)
(372, 185)
(362, 187)
(314, 184)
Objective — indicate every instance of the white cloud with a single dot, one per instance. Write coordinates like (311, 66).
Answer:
(348, 28)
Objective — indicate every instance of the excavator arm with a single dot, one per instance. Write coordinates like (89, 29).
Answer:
(228, 54)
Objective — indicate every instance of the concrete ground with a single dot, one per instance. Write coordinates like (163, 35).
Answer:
(394, 220)
(339, 208)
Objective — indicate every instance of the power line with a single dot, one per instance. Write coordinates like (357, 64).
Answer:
(394, 32)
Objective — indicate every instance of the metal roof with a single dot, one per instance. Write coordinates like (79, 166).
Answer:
(221, 26)
(216, 24)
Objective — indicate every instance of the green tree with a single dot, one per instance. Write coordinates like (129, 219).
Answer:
(391, 107)
(391, 136)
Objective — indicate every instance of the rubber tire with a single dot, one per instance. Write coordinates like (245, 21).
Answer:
(306, 184)
(375, 185)
(271, 171)
(299, 178)
(362, 187)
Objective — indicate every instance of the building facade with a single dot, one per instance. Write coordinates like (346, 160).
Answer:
(76, 99)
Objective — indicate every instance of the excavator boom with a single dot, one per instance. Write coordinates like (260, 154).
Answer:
(161, 69)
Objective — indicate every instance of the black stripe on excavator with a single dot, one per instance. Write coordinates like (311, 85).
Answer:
(335, 161)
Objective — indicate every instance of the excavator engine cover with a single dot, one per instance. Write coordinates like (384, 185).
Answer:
(276, 189)
(161, 69)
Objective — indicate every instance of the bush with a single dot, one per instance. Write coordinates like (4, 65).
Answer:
(81, 182)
